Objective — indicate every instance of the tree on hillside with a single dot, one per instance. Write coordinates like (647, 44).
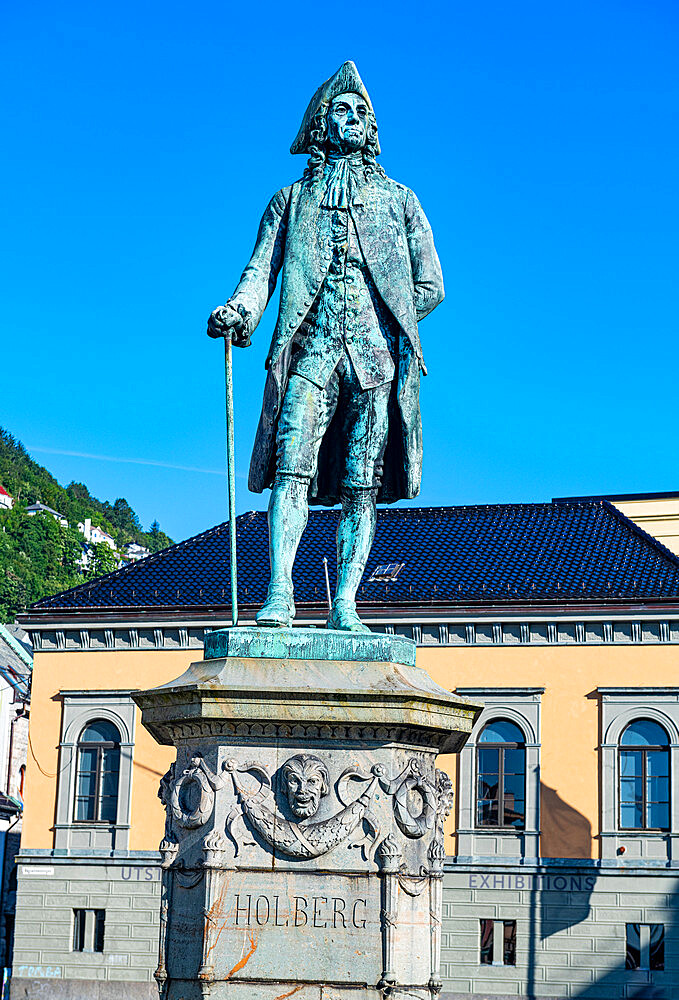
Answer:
(27, 481)
(79, 492)
(80, 505)
(12, 595)
(102, 560)
(157, 539)
(40, 557)
(123, 517)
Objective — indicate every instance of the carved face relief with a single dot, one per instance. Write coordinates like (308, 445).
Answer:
(347, 120)
(305, 781)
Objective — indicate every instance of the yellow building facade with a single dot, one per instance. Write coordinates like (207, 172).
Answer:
(571, 720)
(562, 869)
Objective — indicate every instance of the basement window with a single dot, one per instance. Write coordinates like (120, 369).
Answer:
(645, 947)
(88, 930)
(497, 938)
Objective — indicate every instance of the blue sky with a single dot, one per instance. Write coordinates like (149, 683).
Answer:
(142, 141)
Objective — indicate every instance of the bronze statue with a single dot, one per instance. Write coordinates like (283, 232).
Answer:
(340, 420)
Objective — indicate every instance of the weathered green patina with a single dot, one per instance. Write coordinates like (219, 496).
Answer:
(309, 644)
(340, 419)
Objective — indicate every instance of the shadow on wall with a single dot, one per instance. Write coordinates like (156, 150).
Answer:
(565, 833)
(562, 898)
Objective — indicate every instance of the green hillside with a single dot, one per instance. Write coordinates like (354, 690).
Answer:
(38, 555)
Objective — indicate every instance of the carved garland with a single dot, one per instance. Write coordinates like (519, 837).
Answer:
(419, 807)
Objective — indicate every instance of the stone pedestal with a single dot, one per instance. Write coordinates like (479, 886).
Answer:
(303, 850)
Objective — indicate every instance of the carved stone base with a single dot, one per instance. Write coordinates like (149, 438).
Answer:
(304, 838)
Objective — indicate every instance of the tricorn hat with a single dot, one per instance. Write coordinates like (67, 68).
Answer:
(345, 81)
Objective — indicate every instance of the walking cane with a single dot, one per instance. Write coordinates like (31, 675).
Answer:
(231, 474)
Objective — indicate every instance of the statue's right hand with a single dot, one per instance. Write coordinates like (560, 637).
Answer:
(224, 321)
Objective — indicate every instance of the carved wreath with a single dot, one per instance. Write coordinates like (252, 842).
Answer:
(192, 794)
(419, 806)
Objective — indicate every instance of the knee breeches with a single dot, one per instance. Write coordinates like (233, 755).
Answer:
(363, 423)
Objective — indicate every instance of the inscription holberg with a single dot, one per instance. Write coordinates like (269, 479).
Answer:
(261, 925)
(299, 911)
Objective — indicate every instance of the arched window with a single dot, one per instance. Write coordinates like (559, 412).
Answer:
(96, 794)
(644, 777)
(501, 776)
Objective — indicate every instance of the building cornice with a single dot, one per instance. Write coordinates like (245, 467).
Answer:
(470, 692)
(636, 692)
(635, 627)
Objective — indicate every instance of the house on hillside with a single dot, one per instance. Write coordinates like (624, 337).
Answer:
(85, 557)
(96, 535)
(6, 501)
(133, 552)
(41, 508)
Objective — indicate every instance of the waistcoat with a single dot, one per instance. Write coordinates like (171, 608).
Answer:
(348, 315)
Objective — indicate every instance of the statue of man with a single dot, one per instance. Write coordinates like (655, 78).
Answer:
(340, 420)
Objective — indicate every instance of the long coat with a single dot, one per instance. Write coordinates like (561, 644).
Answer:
(398, 247)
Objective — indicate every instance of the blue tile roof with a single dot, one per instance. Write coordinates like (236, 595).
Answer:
(584, 551)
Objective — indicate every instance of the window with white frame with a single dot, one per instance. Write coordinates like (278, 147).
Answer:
(88, 930)
(645, 947)
(95, 771)
(497, 942)
(499, 776)
(98, 763)
(639, 755)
